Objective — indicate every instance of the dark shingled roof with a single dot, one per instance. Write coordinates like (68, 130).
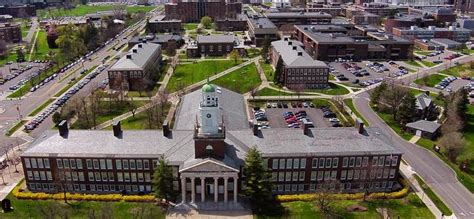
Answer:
(424, 125)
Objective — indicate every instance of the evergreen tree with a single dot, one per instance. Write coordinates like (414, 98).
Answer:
(406, 110)
(377, 93)
(265, 48)
(278, 71)
(258, 187)
(462, 102)
(163, 181)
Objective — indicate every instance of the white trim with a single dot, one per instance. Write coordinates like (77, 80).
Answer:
(209, 161)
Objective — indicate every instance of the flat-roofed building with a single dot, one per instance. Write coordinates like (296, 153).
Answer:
(261, 28)
(163, 25)
(134, 70)
(298, 69)
(10, 32)
(285, 20)
(193, 11)
(452, 33)
(232, 24)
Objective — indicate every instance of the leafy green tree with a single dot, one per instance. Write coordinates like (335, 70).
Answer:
(206, 22)
(90, 36)
(20, 56)
(163, 181)
(258, 187)
(278, 72)
(69, 43)
(56, 117)
(377, 93)
(235, 55)
(406, 110)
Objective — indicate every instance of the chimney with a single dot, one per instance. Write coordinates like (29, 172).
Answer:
(140, 45)
(360, 126)
(134, 50)
(285, 39)
(117, 129)
(300, 53)
(255, 128)
(166, 128)
(129, 56)
(294, 47)
(306, 125)
(63, 129)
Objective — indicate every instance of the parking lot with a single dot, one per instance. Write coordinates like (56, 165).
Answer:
(15, 75)
(276, 119)
(365, 73)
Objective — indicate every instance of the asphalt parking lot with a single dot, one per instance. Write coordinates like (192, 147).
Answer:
(13, 69)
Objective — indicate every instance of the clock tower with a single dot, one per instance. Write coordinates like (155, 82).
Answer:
(209, 132)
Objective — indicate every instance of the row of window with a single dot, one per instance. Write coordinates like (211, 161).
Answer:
(37, 163)
(297, 163)
(290, 163)
(293, 79)
(307, 72)
(49, 187)
(332, 175)
(331, 186)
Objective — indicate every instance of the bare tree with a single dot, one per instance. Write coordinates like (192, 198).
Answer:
(299, 89)
(62, 180)
(253, 92)
(339, 102)
(453, 144)
(392, 99)
(106, 211)
(324, 201)
(163, 97)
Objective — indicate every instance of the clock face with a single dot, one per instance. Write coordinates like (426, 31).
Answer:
(208, 115)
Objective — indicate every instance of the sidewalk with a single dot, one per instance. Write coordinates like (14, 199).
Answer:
(408, 173)
(10, 176)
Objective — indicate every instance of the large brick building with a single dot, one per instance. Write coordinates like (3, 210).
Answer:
(193, 11)
(134, 70)
(18, 11)
(207, 148)
(298, 68)
(331, 46)
(160, 24)
(452, 33)
(213, 45)
(10, 32)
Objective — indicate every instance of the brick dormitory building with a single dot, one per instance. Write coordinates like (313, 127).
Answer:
(206, 148)
(10, 32)
(193, 11)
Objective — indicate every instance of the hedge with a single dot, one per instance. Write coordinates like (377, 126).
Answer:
(353, 196)
(81, 197)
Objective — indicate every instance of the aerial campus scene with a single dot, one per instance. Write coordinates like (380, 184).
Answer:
(236, 109)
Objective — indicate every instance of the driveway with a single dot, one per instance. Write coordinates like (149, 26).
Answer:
(434, 171)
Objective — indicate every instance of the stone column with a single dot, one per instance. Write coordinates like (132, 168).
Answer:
(203, 191)
(225, 188)
(193, 190)
(216, 189)
(235, 188)
(183, 189)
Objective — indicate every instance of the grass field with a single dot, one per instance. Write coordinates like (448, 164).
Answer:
(428, 63)
(15, 127)
(466, 178)
(140, 121)
(42, 47)
(350, 104)
(388, 119)
(430, 80)
(458, 70)
(434, 197)
(41, 107)
(411, 207)
(413, 62)
(334, 90)
(252, 52)
(268, 70)
(81, 10)
(241, 80)
(270, 92)
(11, 57)
(190, 73)
(190, 26)
(76, 209)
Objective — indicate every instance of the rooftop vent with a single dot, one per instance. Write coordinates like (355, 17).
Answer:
(134, 50)
(294, 47)
(117, 128)
(129, 56)
(63, 129)
(166, 128)
(360, 126)
(140, 45)
(300, 53)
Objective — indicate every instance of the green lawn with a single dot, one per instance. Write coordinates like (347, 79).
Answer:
(15, 127)
(153, 90)
(268, 70)
(105, 114)
(271, 92)
(413, 62)
(388, 119)
(434, 197)
(81, 10)
(190, 73)
(423, 53)
(81, 209)
(140, 121)
(252, 52)
(190, 26)
(428, 63)
(430, 80)
(241, 80)
(10, 57)
(41, 107)
(350, 104)
(42, 47)
(466, 178)
(458, 70)
(333, 90)
(410, 207)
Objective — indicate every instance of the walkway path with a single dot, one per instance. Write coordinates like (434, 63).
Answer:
(32, 30)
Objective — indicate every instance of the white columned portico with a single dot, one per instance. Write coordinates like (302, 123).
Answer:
(235, 188)
(216, 189)
(183, 189)
(193, 190)
(225, 188)
(203, 193)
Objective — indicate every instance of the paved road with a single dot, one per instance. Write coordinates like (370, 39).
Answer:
(433, 170)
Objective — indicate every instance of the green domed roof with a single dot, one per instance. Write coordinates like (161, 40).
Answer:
(208, 88)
